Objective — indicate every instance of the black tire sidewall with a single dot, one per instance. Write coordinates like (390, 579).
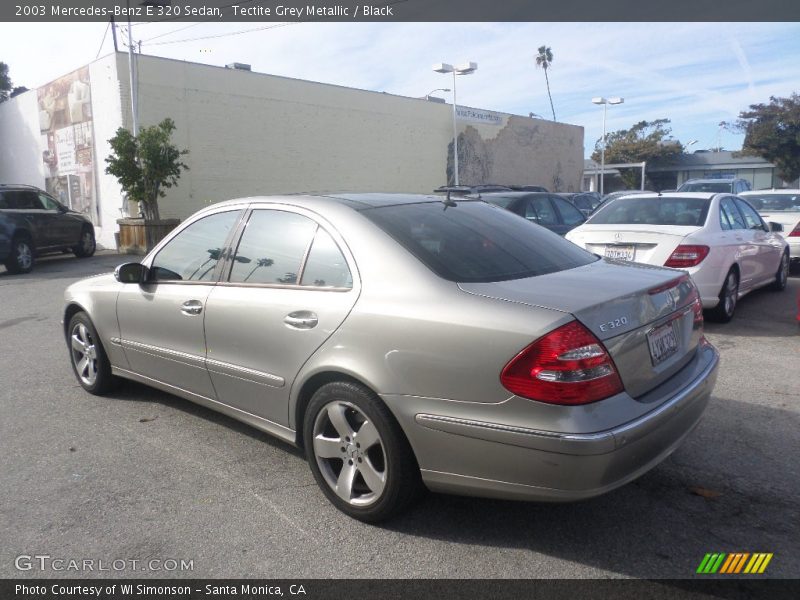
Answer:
(78, 250)
(11, 263)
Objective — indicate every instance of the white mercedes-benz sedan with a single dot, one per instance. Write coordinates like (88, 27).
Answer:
(781, 206)
(719, 239)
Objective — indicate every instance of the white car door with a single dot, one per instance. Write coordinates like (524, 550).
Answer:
(739, 239)
(769, 254)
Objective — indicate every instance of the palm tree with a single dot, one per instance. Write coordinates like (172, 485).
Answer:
(544, 59)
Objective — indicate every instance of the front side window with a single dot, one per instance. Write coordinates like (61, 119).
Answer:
(193, 254)
(539, 210)
(729, 215)
(48, 203)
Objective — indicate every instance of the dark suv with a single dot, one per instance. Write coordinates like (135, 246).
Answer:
(33, 223)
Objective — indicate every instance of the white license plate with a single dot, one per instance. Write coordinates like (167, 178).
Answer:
(663, 342)
(620, 252)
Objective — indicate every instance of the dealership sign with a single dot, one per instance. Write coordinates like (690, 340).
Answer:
(474, 115)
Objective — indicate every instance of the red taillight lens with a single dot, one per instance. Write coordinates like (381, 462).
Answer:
(687, 255)
(795, 232)
(567, 366)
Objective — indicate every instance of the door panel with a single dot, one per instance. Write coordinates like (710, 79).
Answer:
(289, 289)
(161, 340)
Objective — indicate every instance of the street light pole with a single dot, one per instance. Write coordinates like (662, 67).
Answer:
(605, 102)
(465, 69)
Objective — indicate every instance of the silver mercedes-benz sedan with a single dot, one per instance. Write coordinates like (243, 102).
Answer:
(408, 342)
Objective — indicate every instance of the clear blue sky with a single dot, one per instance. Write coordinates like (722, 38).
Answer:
(696, 74)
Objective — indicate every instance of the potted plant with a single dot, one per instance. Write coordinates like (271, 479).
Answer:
(145, 165)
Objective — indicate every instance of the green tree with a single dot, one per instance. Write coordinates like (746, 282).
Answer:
(772, 131)
(146, 164)
(644, 141)
(5, 82)
(545, 60)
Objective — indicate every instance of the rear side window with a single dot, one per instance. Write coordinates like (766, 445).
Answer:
(475, 242)
(571, 216)
(653, 211)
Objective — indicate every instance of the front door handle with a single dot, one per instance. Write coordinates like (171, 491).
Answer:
(192, 307)
(301, 319)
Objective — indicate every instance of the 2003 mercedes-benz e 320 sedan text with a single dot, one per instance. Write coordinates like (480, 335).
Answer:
(408, 342)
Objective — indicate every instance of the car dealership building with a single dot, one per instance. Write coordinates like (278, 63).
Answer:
(256, 134)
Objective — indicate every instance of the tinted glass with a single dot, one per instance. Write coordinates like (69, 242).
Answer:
(652, 211)
(272, 248)
(48, 203)
(570, 215)
(541, 211)
(712, 188)
(3, 201)
(193, 254)
(582, 202)
(326, 266)
(475, 242)
(730, 215)
(750, 215)
(500, 201)
(775, 202)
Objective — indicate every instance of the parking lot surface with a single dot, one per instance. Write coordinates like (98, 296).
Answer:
(143, 475)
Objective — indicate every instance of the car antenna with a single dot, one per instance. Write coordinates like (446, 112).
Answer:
(448, 202)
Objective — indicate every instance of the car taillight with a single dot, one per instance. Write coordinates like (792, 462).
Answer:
(795, 232)
(569, 366)
(687, 255)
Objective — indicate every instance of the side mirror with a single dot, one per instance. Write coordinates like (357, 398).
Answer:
(131, 273)
(775, 227)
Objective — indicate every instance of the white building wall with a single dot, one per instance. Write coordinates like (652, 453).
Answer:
(107, 118)
(20, 141)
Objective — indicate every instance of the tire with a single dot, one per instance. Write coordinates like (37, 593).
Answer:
(358, 454)
(728, 297)
(87, 244)
(782, 276)
(21, 257)
(94, 374)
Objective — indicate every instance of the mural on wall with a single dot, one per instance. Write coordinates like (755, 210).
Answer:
(65, 122)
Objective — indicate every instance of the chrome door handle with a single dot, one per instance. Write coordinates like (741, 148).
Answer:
(301, 319)
(192, 307)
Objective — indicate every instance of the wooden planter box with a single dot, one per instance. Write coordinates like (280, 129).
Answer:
(133, 234)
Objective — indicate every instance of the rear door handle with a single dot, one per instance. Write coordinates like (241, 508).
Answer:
(192, 307)
(301, 319)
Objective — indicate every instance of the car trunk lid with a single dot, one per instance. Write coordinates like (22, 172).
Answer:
(642, 314)
(637, 243)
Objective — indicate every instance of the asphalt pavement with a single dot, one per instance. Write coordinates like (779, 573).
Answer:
(142, 475)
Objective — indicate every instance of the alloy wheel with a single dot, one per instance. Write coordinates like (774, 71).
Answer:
(350, 453)
(24, 256)
(731, 293)
(87, 242)
(783, 273)
(84, 353)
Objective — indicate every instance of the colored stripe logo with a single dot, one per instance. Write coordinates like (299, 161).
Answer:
(734, 563)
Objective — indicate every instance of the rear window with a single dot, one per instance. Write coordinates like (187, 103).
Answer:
(652, 211)
(476, 242)
(721, 187)
(774, 202)
(501, 201)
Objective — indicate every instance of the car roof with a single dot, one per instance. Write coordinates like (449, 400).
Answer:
(357, 201)
(713, 180)
(656, 195)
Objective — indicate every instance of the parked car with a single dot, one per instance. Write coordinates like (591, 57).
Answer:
(719, 239)
(528, 188)
(466, 190)
(548, 210)
(406, 340)
(780, 206)
(730, 185)
(586, 202)
(33, 223)
(620, 193)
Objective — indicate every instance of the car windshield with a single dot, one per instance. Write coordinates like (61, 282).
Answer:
(475, 242)
(775, 202)
(715, 187)
(652, 211)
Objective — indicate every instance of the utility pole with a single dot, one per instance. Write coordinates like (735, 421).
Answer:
(114, 33)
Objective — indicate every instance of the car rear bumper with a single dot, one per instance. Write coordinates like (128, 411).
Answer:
(794, 248)
(495, 460)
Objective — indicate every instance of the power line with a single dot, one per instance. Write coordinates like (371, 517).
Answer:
(177, 17)
(230, 33)
(100, 49)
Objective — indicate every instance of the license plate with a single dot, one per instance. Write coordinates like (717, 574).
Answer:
(663, 342)
(620, 252)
